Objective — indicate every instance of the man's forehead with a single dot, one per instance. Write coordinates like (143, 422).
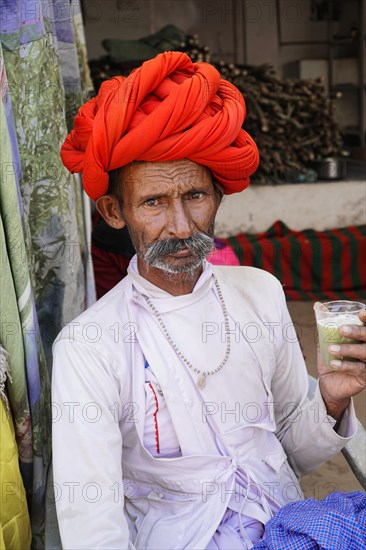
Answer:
(184, 171)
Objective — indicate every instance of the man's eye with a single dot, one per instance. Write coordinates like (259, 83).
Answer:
(196, 196)
(151, 202)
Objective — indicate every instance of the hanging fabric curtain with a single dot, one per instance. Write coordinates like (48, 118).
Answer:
(50, 197)
(46, 278)
(15, 529)
(78, 87)
(28, 392)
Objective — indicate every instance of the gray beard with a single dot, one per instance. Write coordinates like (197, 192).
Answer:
(189, 269)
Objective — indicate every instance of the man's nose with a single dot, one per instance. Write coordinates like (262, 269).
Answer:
(179, 222)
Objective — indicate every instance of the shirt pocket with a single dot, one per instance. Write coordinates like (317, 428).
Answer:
(160, 438)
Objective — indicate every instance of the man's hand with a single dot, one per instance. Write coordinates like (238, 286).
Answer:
(349, 377)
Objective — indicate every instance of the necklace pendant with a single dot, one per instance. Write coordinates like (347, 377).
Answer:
(201, 382)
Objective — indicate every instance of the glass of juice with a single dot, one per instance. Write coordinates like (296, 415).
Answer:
(330, 316)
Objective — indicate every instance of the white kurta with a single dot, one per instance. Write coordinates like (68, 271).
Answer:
(112, 491)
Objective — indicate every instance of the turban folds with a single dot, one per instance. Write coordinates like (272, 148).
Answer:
(167, 109)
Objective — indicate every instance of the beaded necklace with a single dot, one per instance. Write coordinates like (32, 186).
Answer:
(201, 382)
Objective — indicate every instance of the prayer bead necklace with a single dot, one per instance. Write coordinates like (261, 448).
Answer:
(201, 382)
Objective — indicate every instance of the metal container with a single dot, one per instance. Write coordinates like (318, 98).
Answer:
(331, 168)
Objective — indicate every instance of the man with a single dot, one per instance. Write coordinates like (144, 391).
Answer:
(181, 394)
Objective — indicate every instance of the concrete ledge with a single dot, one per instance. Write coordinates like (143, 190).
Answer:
(321, 206)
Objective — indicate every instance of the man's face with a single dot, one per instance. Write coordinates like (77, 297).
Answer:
(169, 209)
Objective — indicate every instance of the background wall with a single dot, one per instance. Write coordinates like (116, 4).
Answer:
(212, 20)
(249, 29)
(300, 206)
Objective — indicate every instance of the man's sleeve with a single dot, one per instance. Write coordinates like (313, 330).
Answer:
(303, 427)
(87, 449)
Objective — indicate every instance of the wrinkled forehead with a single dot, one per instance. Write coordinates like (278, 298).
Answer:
(172, 170)
(158, 177)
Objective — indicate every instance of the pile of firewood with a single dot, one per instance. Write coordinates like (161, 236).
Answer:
(291, 120)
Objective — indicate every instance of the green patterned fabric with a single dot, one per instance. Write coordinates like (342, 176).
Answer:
(48, 191)
(43, 238)
(29, 389)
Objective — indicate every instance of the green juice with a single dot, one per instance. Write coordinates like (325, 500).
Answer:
(328, 332)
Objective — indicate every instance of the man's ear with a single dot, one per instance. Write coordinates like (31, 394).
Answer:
(219, 192)
(109, 208)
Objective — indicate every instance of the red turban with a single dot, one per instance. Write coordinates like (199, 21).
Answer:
(167, 109)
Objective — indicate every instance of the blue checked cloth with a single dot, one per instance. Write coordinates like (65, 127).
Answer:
(335, 523)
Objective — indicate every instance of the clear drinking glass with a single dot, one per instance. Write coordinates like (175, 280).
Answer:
(330, 316)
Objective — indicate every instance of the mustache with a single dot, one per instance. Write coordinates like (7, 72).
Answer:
(200, 245)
